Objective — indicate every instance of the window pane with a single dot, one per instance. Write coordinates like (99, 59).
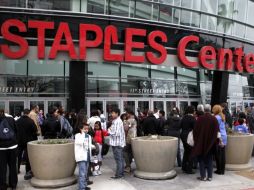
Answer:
(103, 85)
(208, 22)
(13, 3)
(105, 69)
(226, 8)
(195, 19)
(239, 12)
(166, 13)
(176, 15)
(209, 6)
(15, 67)
(250, 33)
(193, 4)
(239, 30)
(250, 13)
(162, 72)
(224, 26)
(96, 6)
(185, 17)
(143, 10)
(119, 8)
(45, 68)
(66, 5)
(170, 2)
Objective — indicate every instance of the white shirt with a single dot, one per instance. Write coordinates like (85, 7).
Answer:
(82, 145)
(117, 134)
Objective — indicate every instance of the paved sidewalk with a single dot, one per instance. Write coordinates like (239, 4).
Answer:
(229, 181)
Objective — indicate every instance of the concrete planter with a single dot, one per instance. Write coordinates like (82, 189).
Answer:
(53, 165)
(238, 152)
(155, 156)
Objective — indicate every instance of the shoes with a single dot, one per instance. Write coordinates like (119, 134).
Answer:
(209, 179)
(87, 188)
(201, 178)
(95, 173)
(219, 173)
(89, 182)
(116, 177)
(127, 170)
(189, 172)
(99, 172)
(28, 175)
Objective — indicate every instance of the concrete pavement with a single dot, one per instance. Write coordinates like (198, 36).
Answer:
(229, 181)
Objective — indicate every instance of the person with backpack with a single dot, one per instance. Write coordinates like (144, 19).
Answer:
(66, 129)
(26, 132)
(8, 151)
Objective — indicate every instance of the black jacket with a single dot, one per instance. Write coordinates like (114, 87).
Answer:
(150, 126)
(187, 124)
(26, 130)
(51, 128)
(174, 128)
(9, 143)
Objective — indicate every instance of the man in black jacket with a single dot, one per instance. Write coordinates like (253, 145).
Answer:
(8, 151)
(26, 132)
(150, 124)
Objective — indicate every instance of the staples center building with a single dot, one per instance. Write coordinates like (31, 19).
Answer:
(140, 54)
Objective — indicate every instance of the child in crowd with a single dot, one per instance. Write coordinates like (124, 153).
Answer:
(241, 128)
(83, 146)
(99, 135)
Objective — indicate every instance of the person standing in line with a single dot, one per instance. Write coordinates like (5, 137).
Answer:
(131, 132)
(161, 122)
(26, 132)
(34, 116)
(205, 135)
(150, 124)
(117, 141)
(187, 125)
(103, 120)
(220, 149)
(94, 117)
(8, 151)
(83, 148)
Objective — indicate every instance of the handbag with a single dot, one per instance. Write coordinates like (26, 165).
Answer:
(190, 139)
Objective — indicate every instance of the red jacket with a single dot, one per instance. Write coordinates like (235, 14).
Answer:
(99, 134)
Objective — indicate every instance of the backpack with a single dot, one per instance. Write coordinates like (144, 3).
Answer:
(6, 131)
(66, 129)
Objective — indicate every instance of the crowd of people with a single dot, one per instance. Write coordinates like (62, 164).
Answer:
(93, 137)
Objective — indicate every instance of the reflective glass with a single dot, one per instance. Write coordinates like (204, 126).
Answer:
(250, 13)
(224, 26)
(143, 10)
(65, 5)
(240, 9)
(13, 3)
(103, 85)
(185, 17)
(209, 6)
(103, 69)
(176, 15)
(208, 22)
(162, 72)
(239, 30)
(95, 6)
(45, 68)
(16, 107)
(166, 13)
(226, 8)
(192, 4)
(15, 67)
(119, 8)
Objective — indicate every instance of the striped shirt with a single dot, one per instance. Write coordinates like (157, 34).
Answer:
(116, 133)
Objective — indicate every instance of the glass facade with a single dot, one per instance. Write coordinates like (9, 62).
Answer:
(231, 17)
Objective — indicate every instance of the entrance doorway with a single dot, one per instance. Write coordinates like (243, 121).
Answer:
(138, 105)
(15, 105)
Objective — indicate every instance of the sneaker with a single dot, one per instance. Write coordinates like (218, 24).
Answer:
(201, 178)
(89, 182)
(95, 173)
(28, 176)
(127, 169)
(99, 172)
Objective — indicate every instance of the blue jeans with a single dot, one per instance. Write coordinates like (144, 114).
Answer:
(118, 155)
(206, 162)
(83, 168)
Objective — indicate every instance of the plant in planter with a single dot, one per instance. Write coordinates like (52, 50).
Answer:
(52, 162)
(238, 150)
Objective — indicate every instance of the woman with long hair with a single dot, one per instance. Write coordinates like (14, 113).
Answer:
(220, 149)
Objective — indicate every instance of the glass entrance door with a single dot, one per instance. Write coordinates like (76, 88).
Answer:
(2, 105)
(109, 107)
(128, 106)
(143, 106)
(16, 107)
